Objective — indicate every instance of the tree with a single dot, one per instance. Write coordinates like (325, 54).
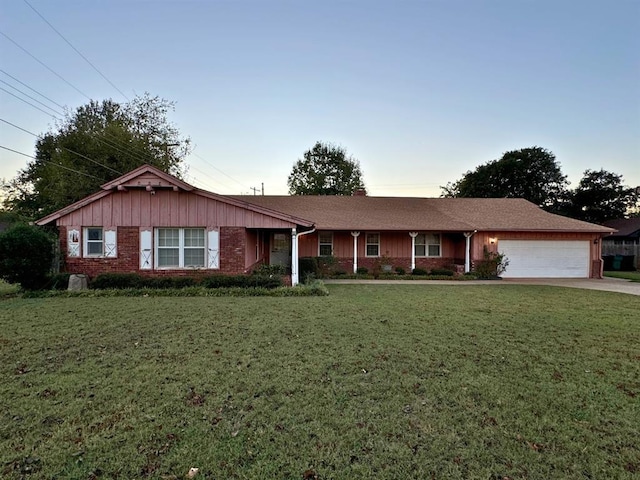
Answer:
(530, 173)
(93, 145)
(26, 254)
(601, 196)
(325, 170)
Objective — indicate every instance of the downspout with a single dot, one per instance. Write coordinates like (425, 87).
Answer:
(355, 236)
(467, 252)
(294, 254)
(413, 236)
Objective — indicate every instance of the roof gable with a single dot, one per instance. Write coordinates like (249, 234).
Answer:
(146, 176)
(627, 227)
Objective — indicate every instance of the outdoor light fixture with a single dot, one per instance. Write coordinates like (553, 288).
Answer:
(493, 240)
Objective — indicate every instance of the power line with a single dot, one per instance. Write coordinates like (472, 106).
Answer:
(33, 90)
(75, 49)
(29, 103)
(45, 65)
(64, 148)
(50, 162)
(215, 168)
(29, 96)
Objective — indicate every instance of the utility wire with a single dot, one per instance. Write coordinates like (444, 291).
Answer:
(215, 168)
(45, 65)
(29, 103)
(32, 89)
(50, 162)
(29, 96)
(64, 148)
(75, 49)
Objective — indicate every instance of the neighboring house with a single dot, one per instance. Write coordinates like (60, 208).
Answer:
(624, 243)
(153, 223)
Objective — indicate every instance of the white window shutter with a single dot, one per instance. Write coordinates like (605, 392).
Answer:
(213, 246)
(73, 243)
(146, 250)
(110, 241)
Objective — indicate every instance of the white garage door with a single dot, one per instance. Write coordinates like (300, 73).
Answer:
(551, 258)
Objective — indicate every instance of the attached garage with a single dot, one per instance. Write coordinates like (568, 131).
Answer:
(546, 258)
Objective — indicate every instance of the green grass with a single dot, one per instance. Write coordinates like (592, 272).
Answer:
(633, 276)
(8, 288)
(373, 381)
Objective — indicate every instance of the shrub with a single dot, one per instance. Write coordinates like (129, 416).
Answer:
(362, 270)
(267, 270)
(419, 271)
(26, 255)
(442, 272)
(326, 265)
(117, 280)
(243, 281)
(58, 281)
(491, 266)
(308, 266)
(400, 271)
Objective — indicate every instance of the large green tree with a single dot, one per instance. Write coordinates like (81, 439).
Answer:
(602, 196)
(530, 173)
(92, 145)
(326, 169)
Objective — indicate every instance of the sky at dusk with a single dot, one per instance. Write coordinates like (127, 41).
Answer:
(418, 91)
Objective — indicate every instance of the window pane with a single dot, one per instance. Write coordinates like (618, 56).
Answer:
(373, 238)
(325, 250)
(168, 257)
(194, 237)
(168, 237)
(434, 250)
(372, 250)
(94, 233)
(194, 257)
(326, 237)
(420, 251)
(94, 248)
(421, 239)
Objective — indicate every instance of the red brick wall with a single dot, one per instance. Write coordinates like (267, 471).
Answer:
(232, 256)
(369, 262)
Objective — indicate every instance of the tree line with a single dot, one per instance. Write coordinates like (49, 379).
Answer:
(100, 141)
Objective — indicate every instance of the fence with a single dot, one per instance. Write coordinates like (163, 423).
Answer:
(608, 249)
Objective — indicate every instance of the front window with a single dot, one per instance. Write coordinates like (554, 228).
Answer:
(180, 247)
(373, 244)
(93, 242)
(325, 240)
(427, 245)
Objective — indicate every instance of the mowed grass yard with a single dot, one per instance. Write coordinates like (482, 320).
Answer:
(373, 381)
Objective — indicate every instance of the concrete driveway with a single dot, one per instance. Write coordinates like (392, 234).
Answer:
(606, 284)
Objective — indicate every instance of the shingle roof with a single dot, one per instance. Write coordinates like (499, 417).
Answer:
(411, 213)
(627, 227)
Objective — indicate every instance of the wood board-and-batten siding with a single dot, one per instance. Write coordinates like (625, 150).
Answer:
(166, 208)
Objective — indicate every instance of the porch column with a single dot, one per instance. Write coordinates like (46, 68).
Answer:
(294, 257)
(413, 236)
(355, 236)
(467, 251)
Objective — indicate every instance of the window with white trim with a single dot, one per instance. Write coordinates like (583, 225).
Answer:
(373, 245)
(325, 244)
(180, 248)
(93, 245)
(427, 245)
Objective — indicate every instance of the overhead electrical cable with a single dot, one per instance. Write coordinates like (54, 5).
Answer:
(45, 65)
(215, 168)
(50, 162)
(76, 50)
(32, 89)
(29, 96)
(64, 148)
(29, 103)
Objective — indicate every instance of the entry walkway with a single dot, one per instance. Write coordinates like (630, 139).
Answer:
(606, 284)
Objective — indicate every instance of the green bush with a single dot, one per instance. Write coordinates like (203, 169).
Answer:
(308, 267)
(267, 270)
(442, 272)
(362, 270)
(242, 281)
(400, 271)
(491, 266)
(58, 281)
(419, 271)
(117, 280)
(26, 255)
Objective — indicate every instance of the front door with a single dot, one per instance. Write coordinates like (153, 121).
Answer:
(280, 249)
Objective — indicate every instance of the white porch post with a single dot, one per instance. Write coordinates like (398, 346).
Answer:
(467, 251)
(355, 236)
(294, 258)
(413, 236)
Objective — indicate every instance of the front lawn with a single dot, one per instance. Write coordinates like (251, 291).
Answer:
(373, 381)
(633, 276)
